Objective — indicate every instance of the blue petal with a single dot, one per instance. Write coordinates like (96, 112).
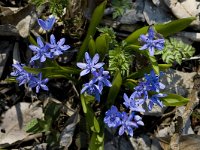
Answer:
(87, 58)
(52, 39)
(44, 87)
(81, 65)
(121, 130)
(84, 72)
(99, 65)
(50, 22)
(42, 23)
(145, 46)
(84, 89)
(39, 42)
(64, 47)
(151, 50)
(37, 89)
(34, 48)
(36, 57)
(43, 58)
(151, 33)
(144, 38)
(61, 42)
(95, 59)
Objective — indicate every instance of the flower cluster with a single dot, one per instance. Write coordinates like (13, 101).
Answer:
(42, 51)
(99, 76)
(48, 50)
(126, 122)
(151, 42)
(24, 77)
(142, 94)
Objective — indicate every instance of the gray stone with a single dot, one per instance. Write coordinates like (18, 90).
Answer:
(135, 14)
(184, 9)
(156, 14)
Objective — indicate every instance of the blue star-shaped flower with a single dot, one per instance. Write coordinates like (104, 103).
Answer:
(38, 83)
(22, 75)
(102, 77)
(133, 103)
(42, 51)
(128, 123)
(155, 100)
(113, 117)
(151, 43)
(152, 82)
(141, 91)
(91, 64)
(59, 47)
(47, 24)
(92, 89)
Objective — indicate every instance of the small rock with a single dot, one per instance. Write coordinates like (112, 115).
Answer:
(156, 14)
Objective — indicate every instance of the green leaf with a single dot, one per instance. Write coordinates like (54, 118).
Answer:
(32, 126)
(175, 50)
(52, 72)
(32, 40)
(102, 45)
(52, 111)
(83, 104)
(154, 64)
(95, 20)
(114, 90)
(92, 47)
(164, 29)
(97, 141)
(90, 116)
(140, 73)
(174, 100)
(96, 125)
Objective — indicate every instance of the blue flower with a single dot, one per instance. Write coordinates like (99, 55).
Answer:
(141, 91)
(41, 52)
(91, 64)
(152, 81)
(92, 89)
(133, 103)
(150, 43)
(47, 24)
(155, 100)
(59, 47)
(128, 123)
(102, 78)
(113, 117)
(22, 75)
(38, 83)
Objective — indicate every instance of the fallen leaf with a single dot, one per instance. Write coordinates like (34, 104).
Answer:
(15, 120)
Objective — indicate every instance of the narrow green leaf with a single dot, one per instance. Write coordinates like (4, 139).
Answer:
(83, 104)
(114, 90)
(154, 64)
(96, 18)
(89, 113)
(164, 29)
(52, 72)
(92, 47)
(140, 73)
(32, 40)
(96, 125)
(174, 100)
(97, 141)
(102, 45)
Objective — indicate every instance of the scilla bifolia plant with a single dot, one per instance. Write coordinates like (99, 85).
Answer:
(99, 95)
